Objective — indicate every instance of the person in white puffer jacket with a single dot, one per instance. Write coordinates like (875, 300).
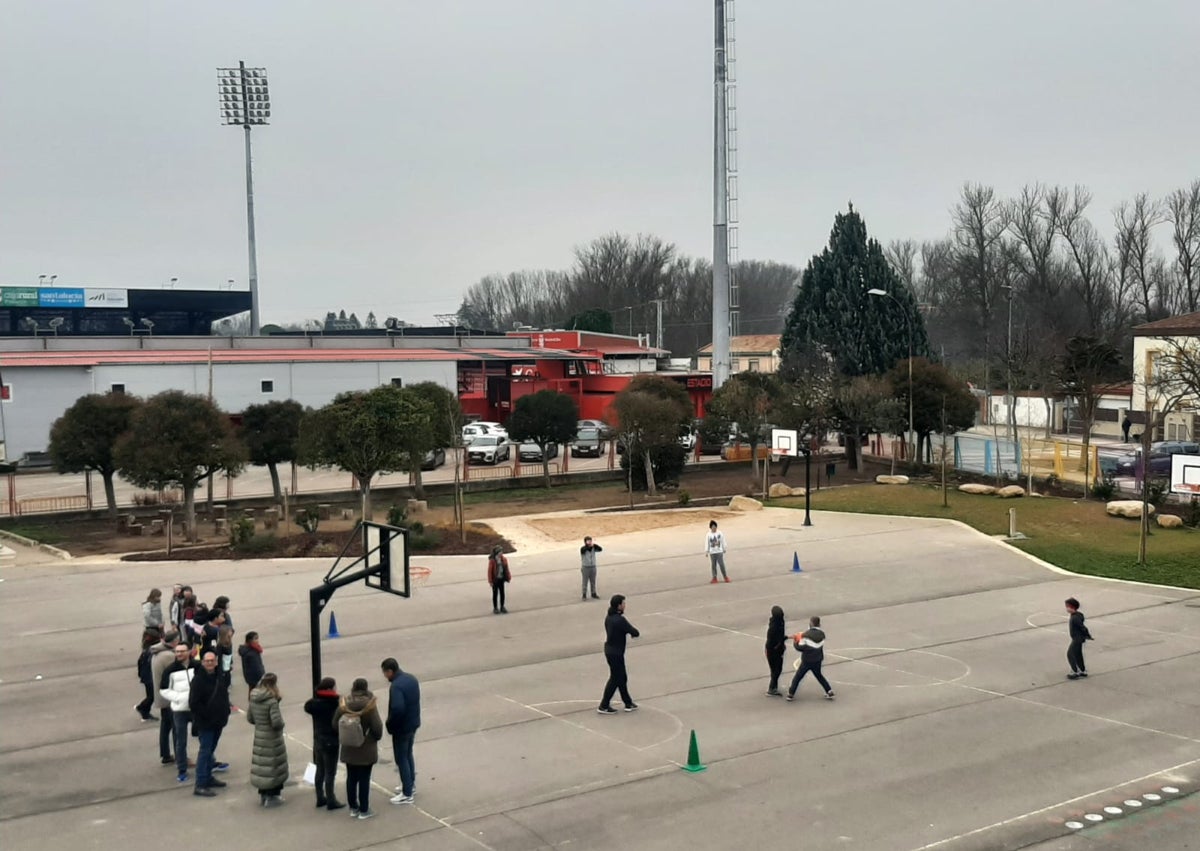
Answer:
(176, 686)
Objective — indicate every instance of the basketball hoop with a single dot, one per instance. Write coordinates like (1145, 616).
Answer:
(419, 575)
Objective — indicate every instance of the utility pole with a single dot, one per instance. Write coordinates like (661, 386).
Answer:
(658, 324)
(720, 280)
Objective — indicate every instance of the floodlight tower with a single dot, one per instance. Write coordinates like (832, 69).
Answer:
(724, 291)
(245, 102)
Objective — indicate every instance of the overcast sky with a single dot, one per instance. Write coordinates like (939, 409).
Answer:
(415, 147)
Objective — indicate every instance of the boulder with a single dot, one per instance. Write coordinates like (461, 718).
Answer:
(891, 480)
(1169, 521)
(1010, 491)
(779, 489)
(745, 503)
(1127, 508)
(972, 487)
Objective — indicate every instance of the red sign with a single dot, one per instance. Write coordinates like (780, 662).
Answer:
(696, 382)
(524, 371)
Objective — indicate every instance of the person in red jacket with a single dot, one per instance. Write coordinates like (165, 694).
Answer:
(498, 575)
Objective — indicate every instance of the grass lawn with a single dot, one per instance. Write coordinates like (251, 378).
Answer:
(43, 533)
(1072, 534)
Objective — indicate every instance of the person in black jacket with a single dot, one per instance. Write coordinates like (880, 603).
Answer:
(208, 701)
(615, 630)
(811, 644)
(1079, 634)
(322, 706)
(775, 648)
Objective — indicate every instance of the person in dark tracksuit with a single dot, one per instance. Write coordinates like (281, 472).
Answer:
(811, 644)
(775, 648)
(1079, 634)
(615, 630)
(322, 706)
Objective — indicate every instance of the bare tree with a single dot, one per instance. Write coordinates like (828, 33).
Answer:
(1182, 210)
(1092, 282)
(903, 255)
(1135, 222)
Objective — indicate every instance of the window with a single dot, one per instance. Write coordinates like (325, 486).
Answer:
(117, 388)
(753, 365)
(268, 385)
(735, 365)
(397, 382)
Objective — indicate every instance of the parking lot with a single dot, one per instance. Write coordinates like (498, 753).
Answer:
(953, 725)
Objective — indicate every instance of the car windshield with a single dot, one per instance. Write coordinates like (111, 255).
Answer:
(587, 434)
(487, 441)
(528, 445)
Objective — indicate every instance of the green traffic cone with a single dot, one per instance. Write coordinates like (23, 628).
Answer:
(693, 763)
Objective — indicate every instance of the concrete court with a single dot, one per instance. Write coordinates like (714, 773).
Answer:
(953, 725)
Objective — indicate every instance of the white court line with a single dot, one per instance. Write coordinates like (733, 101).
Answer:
(1100, 619)
(1038, 812)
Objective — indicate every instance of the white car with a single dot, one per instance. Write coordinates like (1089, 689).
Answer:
(473, 431)
(489, 449)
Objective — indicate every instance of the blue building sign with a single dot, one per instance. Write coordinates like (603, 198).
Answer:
(60, 297)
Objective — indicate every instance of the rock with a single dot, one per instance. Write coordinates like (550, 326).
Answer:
(977, 488)
(779, 489)
(1010, 491)
(891, 480)
(415, 506)
(1127, 508)
(745, 503)
(1169, 521)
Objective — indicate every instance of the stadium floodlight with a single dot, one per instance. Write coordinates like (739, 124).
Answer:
(245, 101)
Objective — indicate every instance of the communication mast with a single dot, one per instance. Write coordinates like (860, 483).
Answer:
(725, 249)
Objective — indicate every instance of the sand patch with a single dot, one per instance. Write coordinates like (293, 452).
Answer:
(576, 527)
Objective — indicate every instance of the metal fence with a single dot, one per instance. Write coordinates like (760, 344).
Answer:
(991, 456)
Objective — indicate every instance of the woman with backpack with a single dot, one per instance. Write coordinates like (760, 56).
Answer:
(268, 761)
(359, 729)
(498, 574)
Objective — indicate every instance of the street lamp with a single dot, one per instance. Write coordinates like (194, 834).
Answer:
(908, 326)
(245, 102)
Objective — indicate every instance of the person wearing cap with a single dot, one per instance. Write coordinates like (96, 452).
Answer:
(498, 575)
(587, 556)
(616, 628)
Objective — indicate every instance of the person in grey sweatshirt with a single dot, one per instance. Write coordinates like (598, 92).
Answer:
(587, 557)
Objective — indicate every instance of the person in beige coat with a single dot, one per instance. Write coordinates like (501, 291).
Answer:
(360, 758)
(269, 760)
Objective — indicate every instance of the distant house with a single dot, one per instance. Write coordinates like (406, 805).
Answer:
(747, 353)
(1150, 342)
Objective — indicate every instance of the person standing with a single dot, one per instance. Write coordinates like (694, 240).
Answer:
(150, 638)
(1126, 424)
(322, 706)
(616, 628)
(1079, 634)
(176, 607)
(403, 721)
(587, 557)
(775, 648)
(498, 575)
(209, 703)
(268, 760)
(224, 651)
(811, 644)
(175, 686)
(361, 757)
(152, 616)
(252, 660)
(163, 658)
(222, 603)
(714, 545)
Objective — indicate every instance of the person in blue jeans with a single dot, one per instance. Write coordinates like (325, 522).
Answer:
(208, 701)
(175, 687)
(403, 721)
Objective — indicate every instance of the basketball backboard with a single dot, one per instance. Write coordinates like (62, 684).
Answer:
(385, 557)
(785, 442)
(1185, 474)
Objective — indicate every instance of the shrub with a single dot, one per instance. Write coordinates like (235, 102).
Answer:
(420, 539)
(308, 520)
(1156, 491)
(1192, 518)
(684, 497)
(256, 545)
(396, 515)
(241, 531)
(1105, 489)
(667, 461)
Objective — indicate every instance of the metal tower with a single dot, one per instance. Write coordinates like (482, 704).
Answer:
(725, 291)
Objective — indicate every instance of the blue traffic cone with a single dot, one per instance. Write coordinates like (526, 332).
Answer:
(796, 563)
(333, 630)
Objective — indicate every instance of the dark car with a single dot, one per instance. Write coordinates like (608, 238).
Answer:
(433, 459)
(1159, 460)
(489, 449)
(532, 452)
(588, 441)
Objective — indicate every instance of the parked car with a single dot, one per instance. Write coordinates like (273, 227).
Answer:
(588, 441)
(532, 452)
(473, 431)
(604, 428)
(489, 449)
(687, 439)
(1159, 460)
(433, 459)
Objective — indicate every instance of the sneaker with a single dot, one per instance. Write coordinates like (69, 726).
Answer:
(220, 766)
(791, 696)
(402, 799)
(168, 760)
(630, 707)
(182, 778)
(606, 710)
(366, 814)
(273, 801)
(774, 692)
(503, 610)
(149, 717)
(321, 802)
(495, 611)
(353, 813)
(714, 581)
(829, 695)
(595, 596)
(584, 597)
(1072, 676)
(726, 578)
(1082, 674)
(335, 805)
(214, 783)
(204, 792)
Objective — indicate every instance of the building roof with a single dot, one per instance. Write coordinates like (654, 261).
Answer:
(590, 341)
(9, 360)
(753, 343)
(1187, 325)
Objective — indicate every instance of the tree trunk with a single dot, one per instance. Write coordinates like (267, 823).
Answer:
(418, 482)
(365, 486)
(274, 469)
(546, 467)
(189, 510)
(110, 492)
(651, 489)
(850, 439)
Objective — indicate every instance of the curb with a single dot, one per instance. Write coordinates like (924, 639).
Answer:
(36, 545)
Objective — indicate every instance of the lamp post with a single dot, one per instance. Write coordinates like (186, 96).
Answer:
(807, 450)
(908, 326)
(245, 102)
